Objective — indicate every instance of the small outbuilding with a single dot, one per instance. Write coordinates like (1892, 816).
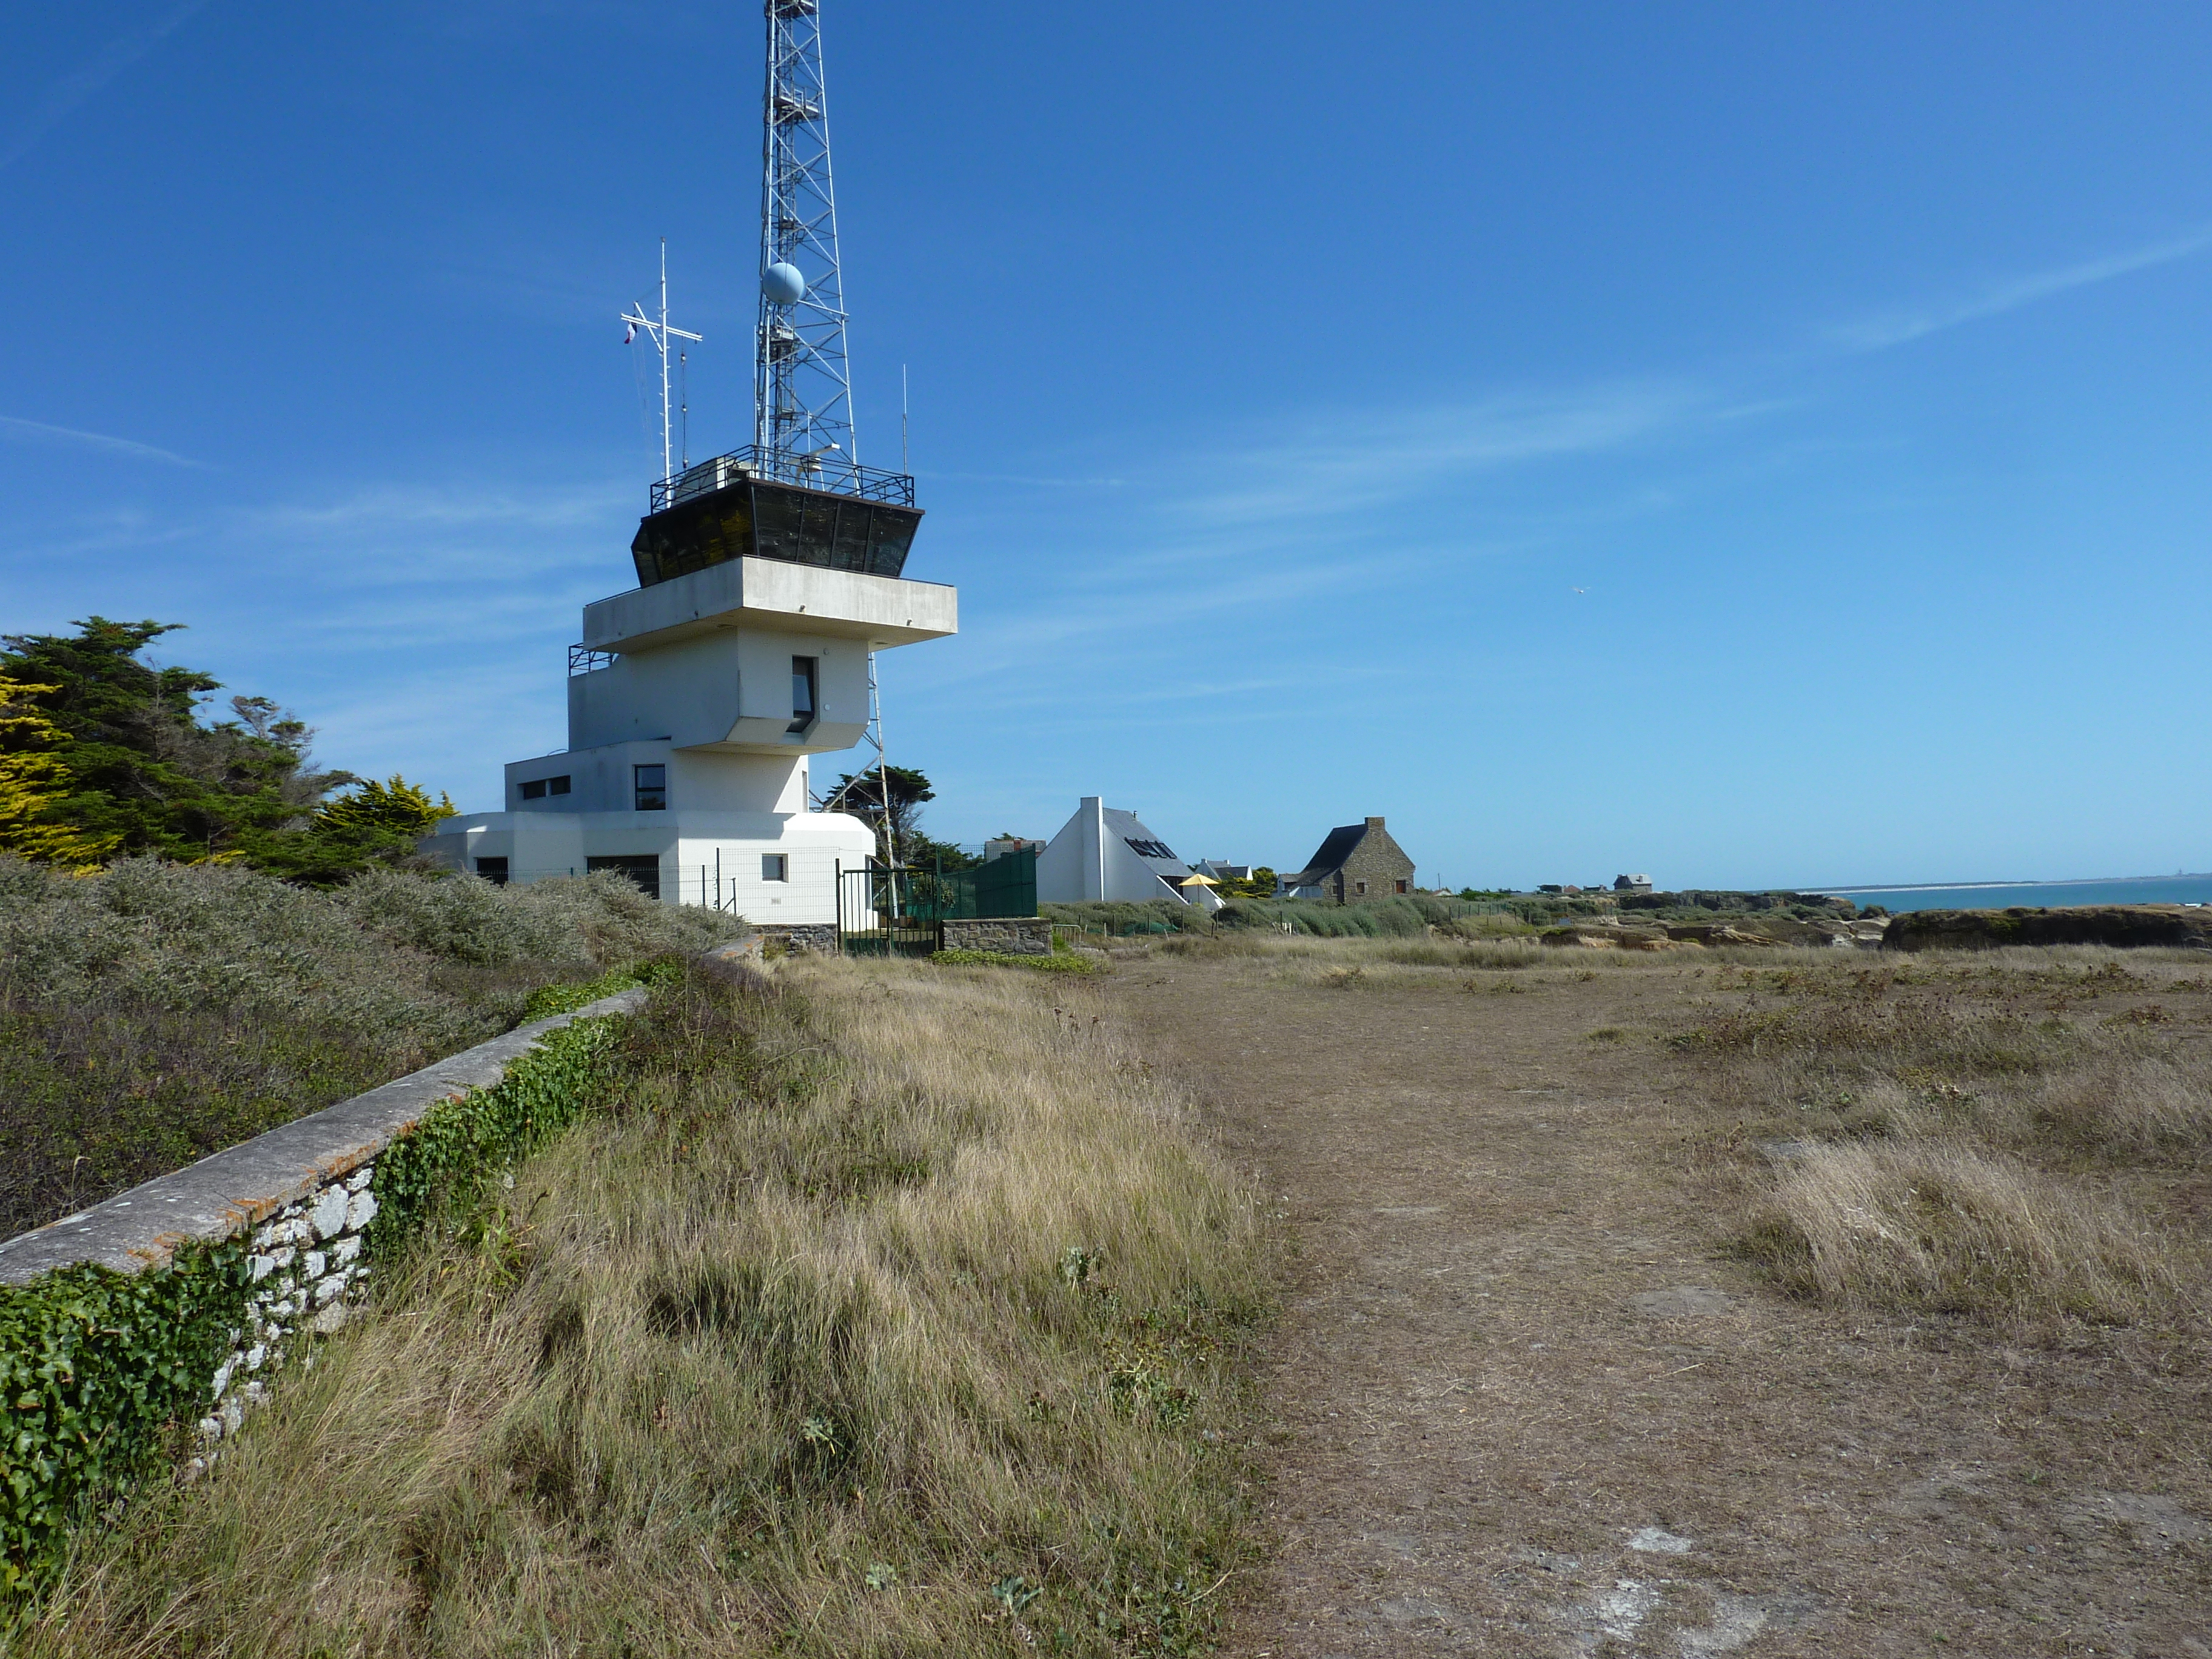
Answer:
(1631, 884)
(1353, 865)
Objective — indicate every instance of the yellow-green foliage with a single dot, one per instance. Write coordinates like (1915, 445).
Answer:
(33, 776)
(889, 1312)
(395, 805)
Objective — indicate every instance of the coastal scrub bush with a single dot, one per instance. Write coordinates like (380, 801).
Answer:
(154, 1012)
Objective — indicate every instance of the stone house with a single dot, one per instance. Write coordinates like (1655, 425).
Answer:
(1353, 865)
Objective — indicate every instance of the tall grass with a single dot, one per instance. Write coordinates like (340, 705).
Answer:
(893, 1312)
(1943, 1226)
(1988, 1137)
(155, 1013)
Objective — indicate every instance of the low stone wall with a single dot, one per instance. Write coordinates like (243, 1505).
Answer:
(1013, 936)
(298, 1195)
(803, 938)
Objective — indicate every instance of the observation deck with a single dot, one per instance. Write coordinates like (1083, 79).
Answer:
(773, 504)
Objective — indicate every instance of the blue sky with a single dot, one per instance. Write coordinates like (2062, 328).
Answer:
(1752, 445)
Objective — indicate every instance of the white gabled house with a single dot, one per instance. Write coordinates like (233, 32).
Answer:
(1104, 853)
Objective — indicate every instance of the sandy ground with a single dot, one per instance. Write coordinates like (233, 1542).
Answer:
(1521, 1403)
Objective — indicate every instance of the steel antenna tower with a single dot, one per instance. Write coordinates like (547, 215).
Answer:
(802, 391)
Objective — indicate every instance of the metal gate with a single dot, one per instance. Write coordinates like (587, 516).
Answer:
(875, 917)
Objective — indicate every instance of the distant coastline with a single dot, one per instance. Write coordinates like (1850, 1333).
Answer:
(2190, 888)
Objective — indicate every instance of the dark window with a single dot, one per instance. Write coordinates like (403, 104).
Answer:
(644, 872)
(802, 693)
(1359, 887)
(493, 871)
(534, 789)
(775, 867)
(652, 783)
(556, 785)
(1401, 886)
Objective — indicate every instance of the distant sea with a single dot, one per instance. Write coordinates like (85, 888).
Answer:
(2003, 895)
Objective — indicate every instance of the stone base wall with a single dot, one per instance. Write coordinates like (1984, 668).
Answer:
(1013, 936)
(803, 938)
(307, 1272)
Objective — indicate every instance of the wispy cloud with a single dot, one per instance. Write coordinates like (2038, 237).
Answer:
(1012, 478)
(378, 511)
(1371, 460)
(1898, 327)
(81, 83)
(38, 431)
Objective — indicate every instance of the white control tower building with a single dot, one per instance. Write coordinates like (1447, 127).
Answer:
(767, 578)
(694, 705)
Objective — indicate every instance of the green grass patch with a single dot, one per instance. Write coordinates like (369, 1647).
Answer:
(1060, 962)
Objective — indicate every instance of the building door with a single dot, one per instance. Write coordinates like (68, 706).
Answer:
(645, 871)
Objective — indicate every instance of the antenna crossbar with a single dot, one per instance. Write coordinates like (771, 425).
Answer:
(660, 331)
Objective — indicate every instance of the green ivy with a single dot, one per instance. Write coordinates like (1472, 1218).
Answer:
(551, 1000)
(460, 1141)
(95, 1366)
(99, 1370)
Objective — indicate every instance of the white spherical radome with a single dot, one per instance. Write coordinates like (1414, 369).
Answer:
(783, 284)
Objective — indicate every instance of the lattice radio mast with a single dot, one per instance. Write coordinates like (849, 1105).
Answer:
(802, 390)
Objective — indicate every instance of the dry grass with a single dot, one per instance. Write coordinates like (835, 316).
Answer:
(1941, 1226)
(1997, 1136)
(896, 1312)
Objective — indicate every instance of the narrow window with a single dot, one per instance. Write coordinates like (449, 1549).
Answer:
(652, 787)
(534, 789)
(802, 693)
(1401, 886)
(493, 871)
(556, 785)
(775, 867)
(1360, 888)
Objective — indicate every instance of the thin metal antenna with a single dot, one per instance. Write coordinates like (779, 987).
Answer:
(904, 465)
(683, 393)
(660, 333)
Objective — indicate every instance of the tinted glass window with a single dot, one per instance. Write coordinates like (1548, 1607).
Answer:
(556, 785)
(802, 693)
(652, 787)
(534, 789)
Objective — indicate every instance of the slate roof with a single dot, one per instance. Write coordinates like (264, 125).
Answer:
(1336, 846)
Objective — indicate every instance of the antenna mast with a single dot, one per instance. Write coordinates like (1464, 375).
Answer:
(802, 391)
(660, 333)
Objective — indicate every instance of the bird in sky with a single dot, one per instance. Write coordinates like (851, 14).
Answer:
(1581, 590)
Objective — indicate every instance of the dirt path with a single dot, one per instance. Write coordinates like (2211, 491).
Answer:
(1522, 1406)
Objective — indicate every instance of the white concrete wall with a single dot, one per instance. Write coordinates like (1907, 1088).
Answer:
(696, 851)
(729, 689)
(773, 593)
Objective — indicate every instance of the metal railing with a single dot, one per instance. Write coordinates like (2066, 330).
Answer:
(833, 473)
(584, 659)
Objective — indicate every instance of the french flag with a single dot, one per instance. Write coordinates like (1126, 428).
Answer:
(629, 334)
